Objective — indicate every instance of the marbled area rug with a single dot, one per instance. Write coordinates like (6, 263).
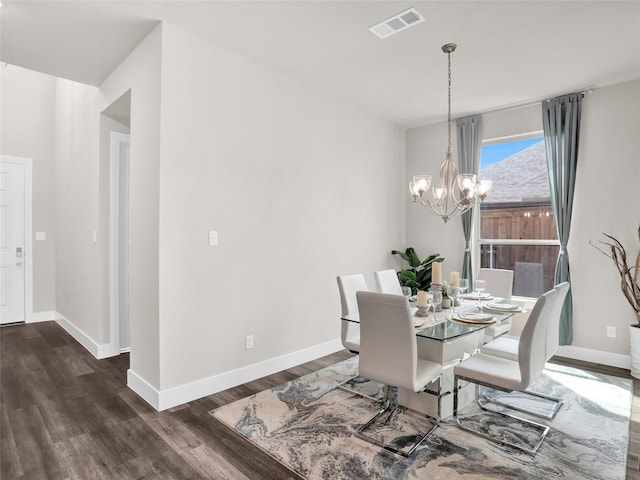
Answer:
(308, 425)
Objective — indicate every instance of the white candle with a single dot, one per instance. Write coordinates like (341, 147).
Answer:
(436, 273)
(422, 298)
(455, 279)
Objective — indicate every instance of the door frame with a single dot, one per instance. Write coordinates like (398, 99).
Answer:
(116, 138)
(27, 163)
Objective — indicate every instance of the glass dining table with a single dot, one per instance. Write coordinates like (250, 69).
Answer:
(446, 340)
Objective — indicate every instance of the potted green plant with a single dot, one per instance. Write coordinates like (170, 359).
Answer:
(418, 275)
(629, 275)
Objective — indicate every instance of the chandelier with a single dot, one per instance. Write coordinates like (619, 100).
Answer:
(456, 193)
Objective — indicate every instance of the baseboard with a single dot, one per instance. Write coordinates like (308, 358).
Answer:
(171, 397)
(35, 317)
(147, 392)
(97, 350)
(595, 356)
(161, 400)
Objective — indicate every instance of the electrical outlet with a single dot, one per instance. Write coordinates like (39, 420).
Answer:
(611, 332)
(248, 342)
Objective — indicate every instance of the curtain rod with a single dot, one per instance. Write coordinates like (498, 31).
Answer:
(583, 93)
(524, 105)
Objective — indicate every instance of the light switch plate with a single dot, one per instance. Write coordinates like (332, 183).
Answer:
(213, 237)
(41, 235)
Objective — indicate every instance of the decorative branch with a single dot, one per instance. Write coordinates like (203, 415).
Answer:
(628, 274)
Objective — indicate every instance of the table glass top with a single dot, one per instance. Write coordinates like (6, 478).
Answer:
(444, 328)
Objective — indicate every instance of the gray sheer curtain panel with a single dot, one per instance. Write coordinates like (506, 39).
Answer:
(469, 130)
(561, 123)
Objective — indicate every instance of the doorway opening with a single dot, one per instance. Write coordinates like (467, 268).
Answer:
(116, 121)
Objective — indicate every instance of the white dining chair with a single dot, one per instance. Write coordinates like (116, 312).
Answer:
(348, 285)
(387, 282)
(510, 375)
(499, 281)
(507, 347)
(499, 284)
(389, 355)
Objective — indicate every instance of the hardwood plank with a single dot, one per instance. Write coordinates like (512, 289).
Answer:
(75, 364)
(12, 468)
(33, 444)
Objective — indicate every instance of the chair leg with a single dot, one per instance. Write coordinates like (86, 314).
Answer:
(543, 429)
(556, 402)
(343, 386)
(387, 398)
(388, 415)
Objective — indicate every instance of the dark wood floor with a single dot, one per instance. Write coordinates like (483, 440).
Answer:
(65, 414)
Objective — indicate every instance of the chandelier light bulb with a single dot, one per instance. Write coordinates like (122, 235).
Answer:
(483, 188)
(466, 183)
(421, 183)
(413, 191)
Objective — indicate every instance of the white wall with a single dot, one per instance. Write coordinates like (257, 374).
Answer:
(140, 72)
(300, 186)
(78, 276)
(605, 201)
(510, 122)
(27, 118)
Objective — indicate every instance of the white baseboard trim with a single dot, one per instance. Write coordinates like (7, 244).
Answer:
(171, 397)
(147, 392)
(595, 356)
(36, 317)
(97, 350)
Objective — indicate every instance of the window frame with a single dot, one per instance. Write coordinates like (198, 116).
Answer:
(478, 242)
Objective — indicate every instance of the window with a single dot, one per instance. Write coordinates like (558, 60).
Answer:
(517, 231)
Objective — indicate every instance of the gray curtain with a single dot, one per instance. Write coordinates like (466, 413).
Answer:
(561, 123)
(469, 130)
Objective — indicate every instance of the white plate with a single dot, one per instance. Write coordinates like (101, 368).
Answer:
(474, 296)
(418, 322)
(504, 307)
(474, 317)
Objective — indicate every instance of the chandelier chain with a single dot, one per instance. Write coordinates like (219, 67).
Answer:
(449, 103)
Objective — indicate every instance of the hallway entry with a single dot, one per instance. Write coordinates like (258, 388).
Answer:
(120, 145)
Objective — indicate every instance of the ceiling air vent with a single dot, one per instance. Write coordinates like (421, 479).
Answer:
(397, 23)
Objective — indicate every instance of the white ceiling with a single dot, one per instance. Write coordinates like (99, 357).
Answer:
(509, 52)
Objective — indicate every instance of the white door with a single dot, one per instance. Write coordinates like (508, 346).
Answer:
(12, 242)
